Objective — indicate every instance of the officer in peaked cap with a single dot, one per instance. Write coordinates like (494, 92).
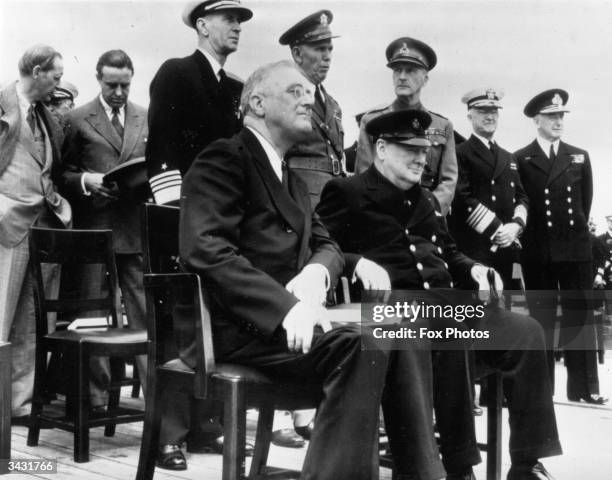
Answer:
(411, 60)
(321, 156)
(490, 205)
(194, 101)
(557, 250)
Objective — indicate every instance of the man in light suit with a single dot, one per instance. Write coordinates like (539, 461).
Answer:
(100, 135)
(30, 140)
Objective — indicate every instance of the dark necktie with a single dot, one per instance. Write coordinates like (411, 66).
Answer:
(116, 123)
(551, 155)
(285, 175)
(31, 117)
(319, 97)
(493, 148)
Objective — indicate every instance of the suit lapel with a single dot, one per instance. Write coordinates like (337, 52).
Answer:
(134, 124)
(561, 164)
(99, 121)
(481, 151)
(501, 162)
(281, 199)
(537, 158)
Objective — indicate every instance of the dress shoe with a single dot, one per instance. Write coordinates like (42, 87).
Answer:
(288, 438)
(593, 398)
(214, 445)
(536, 472)
(170, 457)
(465, 475)
(306, 431)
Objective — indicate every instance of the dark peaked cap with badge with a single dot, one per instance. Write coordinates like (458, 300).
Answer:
(410, 50)
(197, 9)
(550, 101)
(313, 28)
(483, 98)
(407, 127)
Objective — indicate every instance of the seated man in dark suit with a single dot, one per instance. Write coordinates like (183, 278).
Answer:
(384, 218)
(248, 229)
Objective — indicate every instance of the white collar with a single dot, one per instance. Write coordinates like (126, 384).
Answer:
(275, 161)
(109, 110)
(24, 103)
(545, 145)
(214, 63)
(483, 139)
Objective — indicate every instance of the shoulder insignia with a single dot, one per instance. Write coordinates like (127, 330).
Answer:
(437, 114)
(578, 158)
(234, 77)
(435, 131)
(377, 109)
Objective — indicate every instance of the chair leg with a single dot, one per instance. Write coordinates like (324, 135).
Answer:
(150, 431)
(117, 371)
(234, 429)
(135, 376)
(262, 441)
(81, 430)
(40, 368)
(494, 426)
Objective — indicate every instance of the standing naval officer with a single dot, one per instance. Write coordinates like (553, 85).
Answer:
(556, 252)
(411, 60)
(193, 99)
(319, 157)
(490, 206)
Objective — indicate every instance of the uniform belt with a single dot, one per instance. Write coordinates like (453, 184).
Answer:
(320, 164)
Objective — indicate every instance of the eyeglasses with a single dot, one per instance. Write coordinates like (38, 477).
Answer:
(299, 91)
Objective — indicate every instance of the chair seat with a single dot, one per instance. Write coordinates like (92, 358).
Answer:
(110, 336)
(223, 370)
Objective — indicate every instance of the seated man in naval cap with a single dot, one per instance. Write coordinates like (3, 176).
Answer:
(392, 232)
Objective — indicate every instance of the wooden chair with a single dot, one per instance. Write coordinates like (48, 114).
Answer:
(237, 386)
(79, 247)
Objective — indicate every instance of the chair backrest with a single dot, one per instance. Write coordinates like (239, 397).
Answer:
(170, 294)
(72, 248)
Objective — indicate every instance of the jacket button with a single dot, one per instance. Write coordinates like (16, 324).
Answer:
(569, 210)
(571, 222)
(550, 224)
(492, 182)
(407, 232)
(547, 201)
(440, 250)
(434, 238)
(546, 191)
(426, 285)
(412, 248)
(493, 197)
(420, 266)
(548, 213)
(512, 184)
(569, 199)
(569, 189)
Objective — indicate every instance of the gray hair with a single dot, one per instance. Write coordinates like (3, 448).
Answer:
(42, 55)
(260, 77)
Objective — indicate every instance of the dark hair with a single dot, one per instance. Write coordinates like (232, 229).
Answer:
(114, 58)
(39, 55)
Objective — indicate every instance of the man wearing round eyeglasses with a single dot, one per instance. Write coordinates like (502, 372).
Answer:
(319, 157)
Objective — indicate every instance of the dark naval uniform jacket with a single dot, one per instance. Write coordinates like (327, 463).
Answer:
(559, 204)
(489, 194)
(189, 109)
(247, 236)
(440, 174)
(404, 231)
(319, 158)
